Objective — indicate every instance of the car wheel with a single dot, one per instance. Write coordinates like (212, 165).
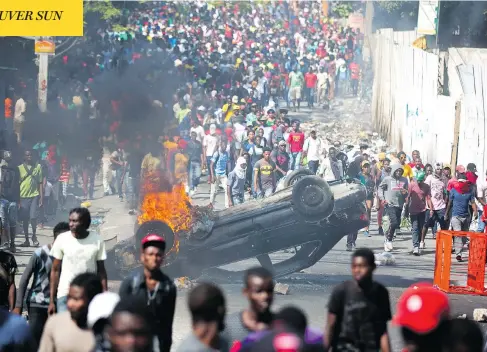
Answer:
(157, 227)
(312, 198)
(296, 175)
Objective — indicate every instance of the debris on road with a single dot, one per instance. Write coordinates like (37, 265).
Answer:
(348, 124)
(384, 258)
(281, 289)
(480, 315)
(183, 283)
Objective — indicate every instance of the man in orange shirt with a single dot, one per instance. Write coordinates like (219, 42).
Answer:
(9, 112)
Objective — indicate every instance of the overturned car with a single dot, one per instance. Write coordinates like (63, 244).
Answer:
(308, 214)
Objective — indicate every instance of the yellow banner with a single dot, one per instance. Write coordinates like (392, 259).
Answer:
(41, 18)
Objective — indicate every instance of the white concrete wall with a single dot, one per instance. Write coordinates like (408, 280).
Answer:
(406, 108)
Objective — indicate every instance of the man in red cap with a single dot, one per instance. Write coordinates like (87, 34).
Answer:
(460, 169)
(154, 287)
(423, 313)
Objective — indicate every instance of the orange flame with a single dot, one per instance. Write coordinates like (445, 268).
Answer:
(172, 207)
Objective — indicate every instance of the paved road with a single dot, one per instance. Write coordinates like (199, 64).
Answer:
(309, 289)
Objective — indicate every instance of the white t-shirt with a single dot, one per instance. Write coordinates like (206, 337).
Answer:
(481, 193)
(210, 142)
(200, 133)
(240, 134)
(20, 107)
(313, 148)
(322, 77)
(437, 191)
(268, 133)
(78, 256)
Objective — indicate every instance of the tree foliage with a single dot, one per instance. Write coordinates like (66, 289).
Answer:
(343, 9)
(106, 10)
(402, 9)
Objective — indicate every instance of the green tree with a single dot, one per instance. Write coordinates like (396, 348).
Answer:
(399, 8)
(106, 10)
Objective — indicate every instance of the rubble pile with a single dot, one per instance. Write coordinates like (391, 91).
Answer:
(347, 123)
(184, 283)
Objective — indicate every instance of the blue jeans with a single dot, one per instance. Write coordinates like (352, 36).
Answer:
(8, 213)
(121, 178)
(438, 217)
(238, 199)
(208, 163)
(310, 94)
(313, 165)
(194, 174)
(351, 239)
(481, 226)
(133, 191)
(62, 304)
(417, 223)
(294, 161)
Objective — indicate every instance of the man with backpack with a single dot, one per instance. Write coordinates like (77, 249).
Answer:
(9, 201)
(154, 287)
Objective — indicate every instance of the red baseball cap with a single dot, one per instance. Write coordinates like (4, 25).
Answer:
(460, 169)
(421, 308)
(154, 240)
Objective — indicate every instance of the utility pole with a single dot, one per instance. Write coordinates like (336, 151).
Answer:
(42, 82)
(42, 77)
(43, 47)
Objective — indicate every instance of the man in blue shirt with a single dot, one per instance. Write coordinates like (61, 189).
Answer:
(15, 334)
(461, 200)
(218, 171)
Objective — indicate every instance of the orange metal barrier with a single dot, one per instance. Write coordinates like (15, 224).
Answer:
(475, 274)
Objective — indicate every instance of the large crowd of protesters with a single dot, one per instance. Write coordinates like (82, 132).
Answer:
(192, 89)
(187, 89)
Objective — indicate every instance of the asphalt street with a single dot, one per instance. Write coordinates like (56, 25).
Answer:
(309, 289)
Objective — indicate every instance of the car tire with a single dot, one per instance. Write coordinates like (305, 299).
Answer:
(157, 227)
(312, 198)
(296, 175)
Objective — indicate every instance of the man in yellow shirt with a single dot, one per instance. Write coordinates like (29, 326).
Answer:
(31, 194)
(229, 108)
(408, 172)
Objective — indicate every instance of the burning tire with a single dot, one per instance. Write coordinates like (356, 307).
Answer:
(158, 228)
(312, 198)
(296, 175)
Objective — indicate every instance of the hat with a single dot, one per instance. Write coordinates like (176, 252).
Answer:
(460, 169)
(446, 166)
(421, 308)
(471, 167)
(282, 142)
(153, 239)
(381, 156)
(235, 99)
(101, 307)
(363, 163)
